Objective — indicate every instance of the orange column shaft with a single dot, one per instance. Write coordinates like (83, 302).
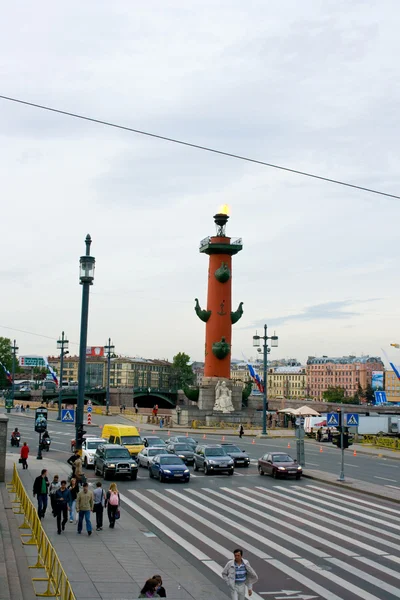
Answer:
(219, 325)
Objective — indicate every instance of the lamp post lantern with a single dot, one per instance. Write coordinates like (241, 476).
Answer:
(109, 349)
(266, 349)
(86, 277)
(10, 404)
(62, 345)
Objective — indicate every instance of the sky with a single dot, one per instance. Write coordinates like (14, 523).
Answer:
(312, 86)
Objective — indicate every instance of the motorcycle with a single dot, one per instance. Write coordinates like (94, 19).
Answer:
(15, 439)
(45, 444)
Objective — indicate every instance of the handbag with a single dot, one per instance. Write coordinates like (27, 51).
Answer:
(117, 514)
(20, 460)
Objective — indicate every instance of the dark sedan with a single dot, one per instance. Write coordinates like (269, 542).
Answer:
(240, 457)
(153, 440)
(279, 464)
(182, 439)
(184, 452)
(167, 467)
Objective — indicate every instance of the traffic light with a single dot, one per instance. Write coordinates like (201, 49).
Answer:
(347, 438)
(79, 436)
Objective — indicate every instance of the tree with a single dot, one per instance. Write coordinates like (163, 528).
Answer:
(6, 358)
(369, 393)
(334, 394)
(182, 370)
(358, 395)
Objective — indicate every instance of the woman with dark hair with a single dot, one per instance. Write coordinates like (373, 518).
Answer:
(160, 589)
(149, 589)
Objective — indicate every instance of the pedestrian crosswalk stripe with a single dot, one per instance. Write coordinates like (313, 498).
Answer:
(358, 500)
(258, 524)
(365, 576)
(375, 565)
(336, 522)
(313, 522)
(342, 508)
(317, 493)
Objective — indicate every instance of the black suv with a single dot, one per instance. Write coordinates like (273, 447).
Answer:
(112, 459)
(240, 457)
(213, 459)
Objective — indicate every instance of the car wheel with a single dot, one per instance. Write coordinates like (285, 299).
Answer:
(260, 470)
(247, 465)
(275, 474)
(206, 471)
(195, 467)
(162, 478)
(105, 474)
(230, 472)
(151, 474)
(186, 480)
(298, 476)
(85, 463)
(134, 476)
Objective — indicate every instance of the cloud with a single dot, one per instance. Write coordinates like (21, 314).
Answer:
(325, 311)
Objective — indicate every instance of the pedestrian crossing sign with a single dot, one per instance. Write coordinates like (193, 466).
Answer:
(352, 419)
(332, 420)
(68, 415)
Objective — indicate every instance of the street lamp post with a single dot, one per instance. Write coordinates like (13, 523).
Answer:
(86, 276)
(108, 349)
(266, 350)
(62, 345)
(14, 349)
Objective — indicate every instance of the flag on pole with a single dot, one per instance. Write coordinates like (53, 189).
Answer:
(51, 370)
(255, 377)
(395, 369)
(7, 372)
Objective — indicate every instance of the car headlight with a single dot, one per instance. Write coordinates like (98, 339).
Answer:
(166, 471)
(111, 466)
(134, 466)
(186, 471)
(212, 462)
(181, 455)
(281, 469)
(299, 469)
(231, 463)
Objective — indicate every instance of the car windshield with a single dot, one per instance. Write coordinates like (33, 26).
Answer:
(282, 458)
(186, 440)
(170, 461)
(155, 442)
(117, 453)
(231, 449)
(182, 448)
(153, 452)
(93, 445)
(214, 452)
(131, 439)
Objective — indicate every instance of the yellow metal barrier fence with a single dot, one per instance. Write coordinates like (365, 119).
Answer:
(382, 441)
(58, 585)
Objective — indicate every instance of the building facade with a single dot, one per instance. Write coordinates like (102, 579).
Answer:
(287, 382)
(347, 372)
(392, 386)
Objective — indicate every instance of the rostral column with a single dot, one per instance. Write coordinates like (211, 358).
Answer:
(219, 317)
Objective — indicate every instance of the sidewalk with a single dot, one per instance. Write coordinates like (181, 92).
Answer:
(15, 576)
(113, 564)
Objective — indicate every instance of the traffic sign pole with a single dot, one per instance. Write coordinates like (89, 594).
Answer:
(341, 424)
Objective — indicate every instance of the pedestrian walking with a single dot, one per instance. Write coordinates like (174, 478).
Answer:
(72, 459)
(112, 503)
(62, 502)
(238, 574)
(319, 434)
(40, 489)
(84, 507)
(74, 491)
(120, 410)
(124, 408)
(24, 455)
(98, 507)
(161, 422)
(160, 589)
(136, 408)
(54, 486)
(329, 433)
(78, 468)
(241, 431)
(149, 589)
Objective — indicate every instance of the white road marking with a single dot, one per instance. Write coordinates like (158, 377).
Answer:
(382, 585)
(359, 500)
(316, 493)
(378, 567)
(395, 487)
(385, 479)
(350, 465)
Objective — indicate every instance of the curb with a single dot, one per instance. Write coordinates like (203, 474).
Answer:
(348, 486)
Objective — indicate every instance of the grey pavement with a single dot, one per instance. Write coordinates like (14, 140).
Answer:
(113, 564)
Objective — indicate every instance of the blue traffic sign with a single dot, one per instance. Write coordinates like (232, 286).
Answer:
(352, 419)
(332, 419)
(89, 409)
(68, 415)
(380, 398)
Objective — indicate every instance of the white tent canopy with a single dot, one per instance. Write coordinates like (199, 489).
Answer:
(306, 411)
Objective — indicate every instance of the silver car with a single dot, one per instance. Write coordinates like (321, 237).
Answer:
(146, 456)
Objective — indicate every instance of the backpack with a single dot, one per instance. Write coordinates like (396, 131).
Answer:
(114, 500)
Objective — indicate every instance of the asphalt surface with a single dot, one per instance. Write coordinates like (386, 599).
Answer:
(306, 540)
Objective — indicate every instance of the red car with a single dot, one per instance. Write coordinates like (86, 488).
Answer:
(279, 464)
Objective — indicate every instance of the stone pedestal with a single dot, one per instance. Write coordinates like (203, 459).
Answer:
(3, 446)
(207, 393)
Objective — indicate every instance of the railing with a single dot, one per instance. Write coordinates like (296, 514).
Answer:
(382, 441)
(58, 585)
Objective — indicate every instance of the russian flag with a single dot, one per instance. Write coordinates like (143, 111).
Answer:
(7, 372)
(51, 371)
(255, 377)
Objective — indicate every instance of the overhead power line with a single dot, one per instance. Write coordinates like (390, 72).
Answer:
(199, 147)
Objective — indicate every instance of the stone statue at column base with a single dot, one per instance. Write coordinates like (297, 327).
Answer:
(223, 398)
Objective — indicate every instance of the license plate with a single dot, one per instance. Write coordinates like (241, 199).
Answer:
(293, 471)
(124, 470)
(177, 474)
(240, 461)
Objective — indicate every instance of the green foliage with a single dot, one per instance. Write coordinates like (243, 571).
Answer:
(6, 360)
(369, 393)
(191, 393)
(334, 394)
(182, 370)
(248, 386)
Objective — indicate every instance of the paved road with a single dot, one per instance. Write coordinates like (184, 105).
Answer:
(380, 471)
(305, 540)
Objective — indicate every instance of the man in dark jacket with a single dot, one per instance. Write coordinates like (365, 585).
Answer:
(40, 489)
(63, 499)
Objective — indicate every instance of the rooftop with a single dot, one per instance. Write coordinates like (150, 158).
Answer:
(343, 360)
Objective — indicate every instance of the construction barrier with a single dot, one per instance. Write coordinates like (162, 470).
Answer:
(382, 441)
(57, 582)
